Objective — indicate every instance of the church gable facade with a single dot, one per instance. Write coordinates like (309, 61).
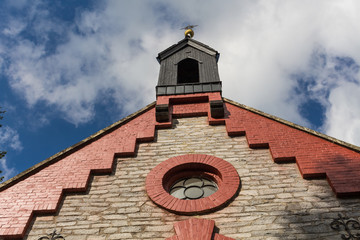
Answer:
(192, 165)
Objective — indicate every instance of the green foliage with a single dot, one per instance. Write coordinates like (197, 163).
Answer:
(2, 153)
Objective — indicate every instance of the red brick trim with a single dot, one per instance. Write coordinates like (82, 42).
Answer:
(70, 172)
(163, 175)
(314, 156)
(70, 169)
(338, 161)
(196, 229)
(190, 105)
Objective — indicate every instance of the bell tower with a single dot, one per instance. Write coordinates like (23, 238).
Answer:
(188, 67)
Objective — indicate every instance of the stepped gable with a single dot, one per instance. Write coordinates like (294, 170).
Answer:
(189, 85)
(317, 156)
(40, 189)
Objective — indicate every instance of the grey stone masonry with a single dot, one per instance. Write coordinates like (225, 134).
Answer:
(274, 201)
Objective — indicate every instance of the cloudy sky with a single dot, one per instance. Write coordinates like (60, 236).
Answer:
(71, 68)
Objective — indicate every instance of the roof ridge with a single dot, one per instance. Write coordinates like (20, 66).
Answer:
(183, 43)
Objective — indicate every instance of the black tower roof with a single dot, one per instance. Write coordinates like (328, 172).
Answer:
(188, 67)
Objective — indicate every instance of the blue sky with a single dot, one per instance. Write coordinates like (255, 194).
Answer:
(71, 68)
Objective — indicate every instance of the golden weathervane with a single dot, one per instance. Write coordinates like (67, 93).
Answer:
(189, 33)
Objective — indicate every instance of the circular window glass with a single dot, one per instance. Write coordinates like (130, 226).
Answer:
(208, 181)
(193, 188)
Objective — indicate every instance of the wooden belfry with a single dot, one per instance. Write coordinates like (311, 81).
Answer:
(188, 67)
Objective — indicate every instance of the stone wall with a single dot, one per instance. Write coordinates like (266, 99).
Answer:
(274, 201)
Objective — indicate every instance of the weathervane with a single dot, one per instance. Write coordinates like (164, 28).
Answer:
(189, 33)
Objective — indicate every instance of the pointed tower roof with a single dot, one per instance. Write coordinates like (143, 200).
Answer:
(184, 43)
(188, 67)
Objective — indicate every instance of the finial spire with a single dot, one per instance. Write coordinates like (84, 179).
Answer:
(189, 33)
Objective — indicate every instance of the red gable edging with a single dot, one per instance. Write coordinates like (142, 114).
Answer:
(315, 157)
(41, 190)
(190, 105)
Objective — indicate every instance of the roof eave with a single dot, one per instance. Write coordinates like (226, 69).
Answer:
(182, 44)
(296, 126)
(58, 156)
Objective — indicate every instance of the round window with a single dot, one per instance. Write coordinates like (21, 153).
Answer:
(192, 184)
(193, 188)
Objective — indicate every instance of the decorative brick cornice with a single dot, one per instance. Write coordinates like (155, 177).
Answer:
(73, 148)
(159, 180)
(316, 155)
(196, 229)
(69, 171)
(190, 105)
(296, 126)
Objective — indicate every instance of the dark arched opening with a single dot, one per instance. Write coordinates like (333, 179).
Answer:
(188, 71)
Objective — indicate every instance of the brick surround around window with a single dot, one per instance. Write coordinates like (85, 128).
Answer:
(161, 177)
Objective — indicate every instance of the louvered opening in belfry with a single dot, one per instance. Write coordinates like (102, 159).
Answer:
(188, 71)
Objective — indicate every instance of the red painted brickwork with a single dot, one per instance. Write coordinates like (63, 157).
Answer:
(188, 98)
(42, 191)
(196, 229)
(178, 167)
(190, 105)
(314, 156)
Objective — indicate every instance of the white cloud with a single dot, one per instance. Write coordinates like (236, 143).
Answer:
(334, 82)
(263, 44)
(14, 27)
(343, 116)
(9, 138)
(100, 58)
(6, 171)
